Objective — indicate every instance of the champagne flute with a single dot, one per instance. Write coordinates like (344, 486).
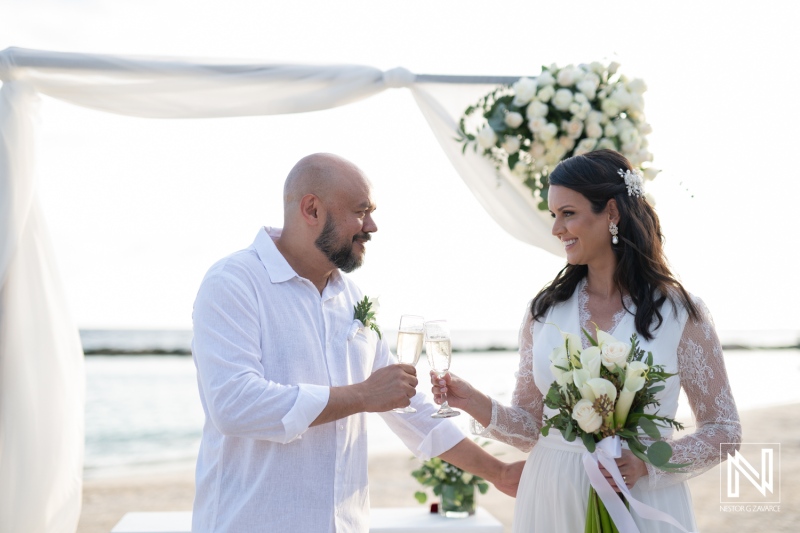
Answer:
(409, 346)
(439, 350)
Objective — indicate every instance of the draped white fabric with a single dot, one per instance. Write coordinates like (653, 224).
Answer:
(41, 372)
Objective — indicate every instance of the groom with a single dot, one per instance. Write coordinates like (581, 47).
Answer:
(286, 375)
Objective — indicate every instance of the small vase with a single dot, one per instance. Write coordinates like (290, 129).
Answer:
(457, 501)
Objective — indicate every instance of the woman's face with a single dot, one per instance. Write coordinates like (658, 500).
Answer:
(583, 233)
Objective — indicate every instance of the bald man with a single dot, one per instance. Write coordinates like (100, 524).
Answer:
(286, 375)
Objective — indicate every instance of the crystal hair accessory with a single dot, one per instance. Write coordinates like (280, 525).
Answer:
(634, 181)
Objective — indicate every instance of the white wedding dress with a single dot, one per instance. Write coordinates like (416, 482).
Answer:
(554, 488)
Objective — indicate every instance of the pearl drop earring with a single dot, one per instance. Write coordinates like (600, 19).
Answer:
(614, 231)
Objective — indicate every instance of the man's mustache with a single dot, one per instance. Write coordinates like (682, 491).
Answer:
(363, 237)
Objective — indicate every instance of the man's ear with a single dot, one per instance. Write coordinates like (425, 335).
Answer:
(613, 211)
(310, 209)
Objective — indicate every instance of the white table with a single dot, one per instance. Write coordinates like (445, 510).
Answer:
(383, 520)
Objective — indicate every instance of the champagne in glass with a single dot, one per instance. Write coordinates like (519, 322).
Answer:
(409, 346)
(439, 350)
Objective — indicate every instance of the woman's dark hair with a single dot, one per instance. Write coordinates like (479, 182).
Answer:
(642, 269)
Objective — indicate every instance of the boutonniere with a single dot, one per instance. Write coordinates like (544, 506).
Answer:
(365, 311)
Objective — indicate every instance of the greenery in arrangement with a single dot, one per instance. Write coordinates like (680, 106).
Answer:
(531, 125)
(447, 480)
(602, 392)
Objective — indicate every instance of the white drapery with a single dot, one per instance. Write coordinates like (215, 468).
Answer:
(41, 360)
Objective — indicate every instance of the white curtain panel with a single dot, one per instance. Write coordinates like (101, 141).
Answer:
(41, 360)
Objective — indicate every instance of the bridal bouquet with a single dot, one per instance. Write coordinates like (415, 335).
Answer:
(601, 394)
(536, 122)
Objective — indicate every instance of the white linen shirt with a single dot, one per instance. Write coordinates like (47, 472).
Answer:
(268, 347)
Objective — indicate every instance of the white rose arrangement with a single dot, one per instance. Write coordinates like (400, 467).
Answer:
(533, 124)
(601, 393)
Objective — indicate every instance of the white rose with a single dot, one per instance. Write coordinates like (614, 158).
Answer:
(562, 99)
(597, 67)
(594, 130)
(606, 144)
(621, 96)
(625, 124)
(613, 67)
(536, 109)
(524, 91)
(588, 419)
(513, 120)
(636, 105)
(544, 79)
(555, 154)
(588, 88)
(637, 86)
(574, 128)
(645, 128)
(615, 354)
(566, 143)
(548, 132)
(537, 123)
(585, 146)
(520, 169)
(610, 107)
(546, 93)
(511, 144)
(610, 130)
(487, 138)
(595, 116)
(537, 150)
(566, 76)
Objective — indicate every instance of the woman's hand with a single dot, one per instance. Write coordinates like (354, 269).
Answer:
(509, 478)
(457, 390)
(631, 468)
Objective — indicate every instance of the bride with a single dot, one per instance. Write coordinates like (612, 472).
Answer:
(616, 278)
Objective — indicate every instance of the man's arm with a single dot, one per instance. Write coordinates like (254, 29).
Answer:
(472, 458)
(386, 388)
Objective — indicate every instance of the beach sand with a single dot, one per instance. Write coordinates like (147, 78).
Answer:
(106, 500)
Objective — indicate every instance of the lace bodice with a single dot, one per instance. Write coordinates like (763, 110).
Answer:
(701, 371)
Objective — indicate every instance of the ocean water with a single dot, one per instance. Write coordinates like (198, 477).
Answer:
(143, 411)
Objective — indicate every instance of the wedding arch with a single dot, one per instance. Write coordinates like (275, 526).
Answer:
(41, 359)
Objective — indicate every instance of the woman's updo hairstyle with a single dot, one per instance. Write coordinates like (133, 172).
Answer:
(642, 270)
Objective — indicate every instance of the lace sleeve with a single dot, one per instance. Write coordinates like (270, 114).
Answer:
(703, 377)
(518, 424)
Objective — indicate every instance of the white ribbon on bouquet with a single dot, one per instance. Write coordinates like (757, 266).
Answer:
(607, 450)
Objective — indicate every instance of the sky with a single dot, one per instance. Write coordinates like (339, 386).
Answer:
(138, 209)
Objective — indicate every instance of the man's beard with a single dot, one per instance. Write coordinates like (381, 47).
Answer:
(341, 256)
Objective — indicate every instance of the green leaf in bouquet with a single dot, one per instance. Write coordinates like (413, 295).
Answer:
(483, 487)
(588, 441)
(513, 159)
(657, 388)
(589, 337)
(659, 453)
(569, 433)
(638, 452)
(649, 427)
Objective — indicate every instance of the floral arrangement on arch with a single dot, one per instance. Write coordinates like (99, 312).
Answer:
(531, 125)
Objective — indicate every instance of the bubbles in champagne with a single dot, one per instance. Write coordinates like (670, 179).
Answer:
(409, 347)
(439, 353)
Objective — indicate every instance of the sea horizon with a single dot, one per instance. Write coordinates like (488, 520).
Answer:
(97, 341)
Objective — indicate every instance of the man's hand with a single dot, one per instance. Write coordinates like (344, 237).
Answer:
(389, 387)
